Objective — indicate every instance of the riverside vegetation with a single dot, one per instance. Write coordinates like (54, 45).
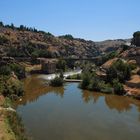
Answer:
(11, 88)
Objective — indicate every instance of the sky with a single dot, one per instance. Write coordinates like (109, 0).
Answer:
(89, 19)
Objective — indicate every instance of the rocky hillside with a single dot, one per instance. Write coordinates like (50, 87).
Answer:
(111, 45)
(25, 42)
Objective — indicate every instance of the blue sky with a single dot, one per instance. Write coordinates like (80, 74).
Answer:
(89, 19)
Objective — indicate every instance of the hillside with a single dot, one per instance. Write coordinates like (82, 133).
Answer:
(111, 45)
(26, 42)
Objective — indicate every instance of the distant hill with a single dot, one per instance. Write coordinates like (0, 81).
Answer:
(111, 45)
(25, 42)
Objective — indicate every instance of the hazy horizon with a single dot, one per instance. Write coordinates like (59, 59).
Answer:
(96, 20)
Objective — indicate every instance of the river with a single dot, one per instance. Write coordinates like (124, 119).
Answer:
(69, 113)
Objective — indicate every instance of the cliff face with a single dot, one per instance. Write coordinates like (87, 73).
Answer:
(24, 43)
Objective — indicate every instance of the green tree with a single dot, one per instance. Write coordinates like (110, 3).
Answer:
(61, 65)
(136, 38)
(119, 70)
(1, 24)
(118, 87)
(85, 81)
(57, 82)
(5, 70)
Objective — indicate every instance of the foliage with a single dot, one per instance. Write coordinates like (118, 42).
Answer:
(13, 52)
(1, 24)
(91, 82)
(76, 76)
(118, 87)
(107, 57)
(13, 67)
(56, 82)
(18, 70)
(10, 87)
(5, 70)
(3, 40)
(95, 84)
(70, 63)
(125, 47)
(136, 38)
(68, 36)
(85, 80)
(61, 65)
(119, 70)
(15, 123)
(132, 66)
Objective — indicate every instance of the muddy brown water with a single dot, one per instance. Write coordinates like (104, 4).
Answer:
(69, 113)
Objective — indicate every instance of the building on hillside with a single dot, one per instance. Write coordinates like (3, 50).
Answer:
(48, 66)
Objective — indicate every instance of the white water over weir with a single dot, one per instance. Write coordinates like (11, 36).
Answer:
(66, 74)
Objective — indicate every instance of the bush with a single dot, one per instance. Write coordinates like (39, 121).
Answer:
(70, 37)
(15, 123)
(61, 65)
(57, 82)
(85, 81)
(119, 70)
(14, 52)
(10, 87)
(3, 40)
(5, 70)
(76, 76)
(95, 85)
(125, 47)
(118, 87)
(18, 70)
(99, 86)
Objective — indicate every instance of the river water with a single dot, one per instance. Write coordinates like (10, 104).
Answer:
(69, 113)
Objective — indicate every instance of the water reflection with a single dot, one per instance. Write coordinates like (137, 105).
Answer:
(118, 103)
(35, 87)
(69, 113)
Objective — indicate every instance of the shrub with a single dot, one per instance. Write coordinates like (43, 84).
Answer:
(14, 52)
(119, 70)
(85, 80)
(18, 70)
(76, 76)
(99, 86)
(15, 124)
(125, 47)
(70, 37)
(10, 86)
(57, 82)
(5, 70)
(61, 65)
(95, 85)
(118, 87)
(13, 87)
(3, 40)
(1, 24)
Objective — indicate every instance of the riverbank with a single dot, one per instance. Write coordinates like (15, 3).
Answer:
(11, 127)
